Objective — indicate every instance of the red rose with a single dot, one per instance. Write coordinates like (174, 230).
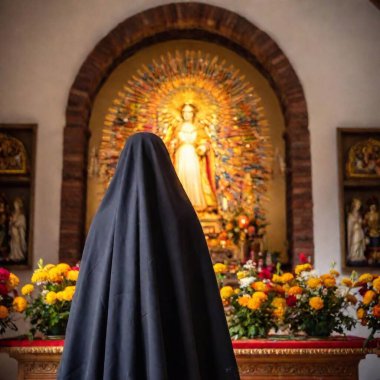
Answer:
(363, 290)
(265, 274)
(303, 258)
(291, 300)
(4, 274)
(3, 290)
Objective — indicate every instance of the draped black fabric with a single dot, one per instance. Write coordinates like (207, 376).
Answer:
(147, 304)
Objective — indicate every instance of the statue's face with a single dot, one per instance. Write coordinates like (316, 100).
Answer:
(187, 113)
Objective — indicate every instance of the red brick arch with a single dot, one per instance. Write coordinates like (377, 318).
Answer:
(201, 22)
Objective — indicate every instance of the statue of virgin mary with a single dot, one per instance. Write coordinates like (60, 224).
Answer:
(192, 161)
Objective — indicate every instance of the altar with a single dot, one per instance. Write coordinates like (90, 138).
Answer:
(333, 358)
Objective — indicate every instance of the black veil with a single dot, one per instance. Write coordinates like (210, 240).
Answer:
(147, 304)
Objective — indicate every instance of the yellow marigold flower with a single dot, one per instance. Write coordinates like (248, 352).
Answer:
(220, 268)
(68, 293)
(55, 275)
(313, 282)
(60, 296)
(27, 289)
(279, 302)
(287, 277)
(259, 286)
(366, 277)
(368, 297)
(329, 282)
(294, 290)
(48, 267)
(316, 303)
(261, 296)
(39, 276)
(360, 313)
(13, 281)
(376, 284)
(3, 312)
(254, 303)
(326, 275)
(19, 304)
(334, 272)
(237, 291)
(279, 312)
(72, 275)
(276, 278)
(226, 292)
(347, 282)
(376, 311)
(241, 274)
(351, 299)
(243, 301)
(51, 298)
(63, 268)
(302, 267)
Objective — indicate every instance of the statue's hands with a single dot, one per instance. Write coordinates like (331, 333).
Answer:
(201, 150)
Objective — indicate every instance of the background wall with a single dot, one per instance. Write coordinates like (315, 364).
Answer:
(332, 45)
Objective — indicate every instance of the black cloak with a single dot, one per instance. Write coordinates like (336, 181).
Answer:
(147, 305)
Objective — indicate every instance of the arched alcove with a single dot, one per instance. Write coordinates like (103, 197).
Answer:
(181, 21)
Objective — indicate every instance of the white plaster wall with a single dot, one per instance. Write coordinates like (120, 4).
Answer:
(332, 44)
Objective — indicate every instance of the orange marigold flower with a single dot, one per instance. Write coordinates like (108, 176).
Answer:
(294, 290)
(376, 284)
(55, 275)
(279, 302)
(254, 303)
(259, 286)
(347, 282)
(287, 277)
(326, 275)
(334, 272)
(72, 275)
(261, 296)
(226, 292)
(360, 313)
(316, 303)
(3, 312)
(366, 277)
(329, 282)
(276, 278)
(368, 297)
(243, 301)
(302, 267)
(12, 282)
(376, 311)
(19, 304)
(313, 282)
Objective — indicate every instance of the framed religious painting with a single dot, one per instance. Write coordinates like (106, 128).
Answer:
(359, 182)
(17, 167)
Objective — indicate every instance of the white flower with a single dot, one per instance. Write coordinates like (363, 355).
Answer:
(341, 291)
(249, 265)
(305, 275)
(246, 281)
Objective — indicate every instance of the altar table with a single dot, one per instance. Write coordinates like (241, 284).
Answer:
(333, 358)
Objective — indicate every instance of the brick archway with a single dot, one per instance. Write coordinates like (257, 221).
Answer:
(202, 22)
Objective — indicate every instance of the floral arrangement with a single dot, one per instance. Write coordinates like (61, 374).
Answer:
(317, 304)
(10, 302)
(302, 302)
(255, 306)
(49, 297)
(368, 309)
